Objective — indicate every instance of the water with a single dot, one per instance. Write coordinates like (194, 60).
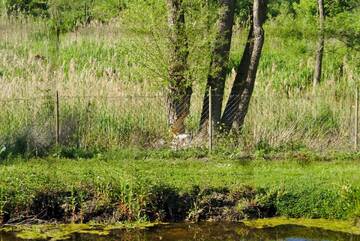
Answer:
(211, 232)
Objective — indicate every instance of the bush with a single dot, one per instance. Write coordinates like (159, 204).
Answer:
(35, 8)
(69, 14)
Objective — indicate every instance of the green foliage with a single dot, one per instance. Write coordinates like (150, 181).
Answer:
(133, 189)
(335, 7)
(243, 10)
(306, 8)
(67, 14)
(37, 8)
(146, 25)
(106, 10)
(281, 7)
(317, 203)
(345, 27)
(134, 53)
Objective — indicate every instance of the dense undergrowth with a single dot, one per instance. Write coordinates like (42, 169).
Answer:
(111, 78)
(175, 186)
(111, 74)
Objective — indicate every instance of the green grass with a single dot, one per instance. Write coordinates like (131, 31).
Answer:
(141, 185)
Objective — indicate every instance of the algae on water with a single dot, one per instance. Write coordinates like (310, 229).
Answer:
(329, 225)
(65, 231)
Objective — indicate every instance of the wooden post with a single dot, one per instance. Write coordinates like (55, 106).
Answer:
(57, 118)
(210, 128)
(356, 134)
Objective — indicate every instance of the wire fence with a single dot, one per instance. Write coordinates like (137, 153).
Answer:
(38, 124)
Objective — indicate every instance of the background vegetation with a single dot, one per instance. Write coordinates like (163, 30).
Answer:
(110, 67)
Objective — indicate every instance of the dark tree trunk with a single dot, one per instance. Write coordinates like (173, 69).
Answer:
(239, 84)
(238, 104)
(320, 45)
(219, 64)
(180, 90)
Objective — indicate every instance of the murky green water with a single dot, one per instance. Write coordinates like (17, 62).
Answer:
(209, 232)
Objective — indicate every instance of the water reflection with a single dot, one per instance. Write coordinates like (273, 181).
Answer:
(212, 232)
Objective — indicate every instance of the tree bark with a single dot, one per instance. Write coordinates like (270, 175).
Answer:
(238, 85)
(219, 64)
(180, 90)
(238, 104)
(320, 45)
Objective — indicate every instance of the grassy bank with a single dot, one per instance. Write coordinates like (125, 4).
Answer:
(138, 186)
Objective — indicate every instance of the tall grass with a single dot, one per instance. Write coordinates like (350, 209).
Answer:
(109, 99)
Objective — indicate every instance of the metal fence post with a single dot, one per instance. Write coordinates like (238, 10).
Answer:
(210, 128)
(57, 118)
(356, 131)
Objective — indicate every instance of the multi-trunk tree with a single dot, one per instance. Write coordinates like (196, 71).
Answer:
(239, 100)
(233, 116)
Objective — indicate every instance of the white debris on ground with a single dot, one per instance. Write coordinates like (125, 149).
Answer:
(181, 141)
(159, 143)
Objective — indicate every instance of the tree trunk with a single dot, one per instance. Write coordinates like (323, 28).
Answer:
(219, 63)
(180, 90)
(320, 45)
(239, 84)
(238, 104)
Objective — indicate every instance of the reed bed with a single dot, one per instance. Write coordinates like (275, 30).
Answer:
(109, 100)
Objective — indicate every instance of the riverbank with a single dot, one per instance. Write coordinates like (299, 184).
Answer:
(261, 229)
(135, 186)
